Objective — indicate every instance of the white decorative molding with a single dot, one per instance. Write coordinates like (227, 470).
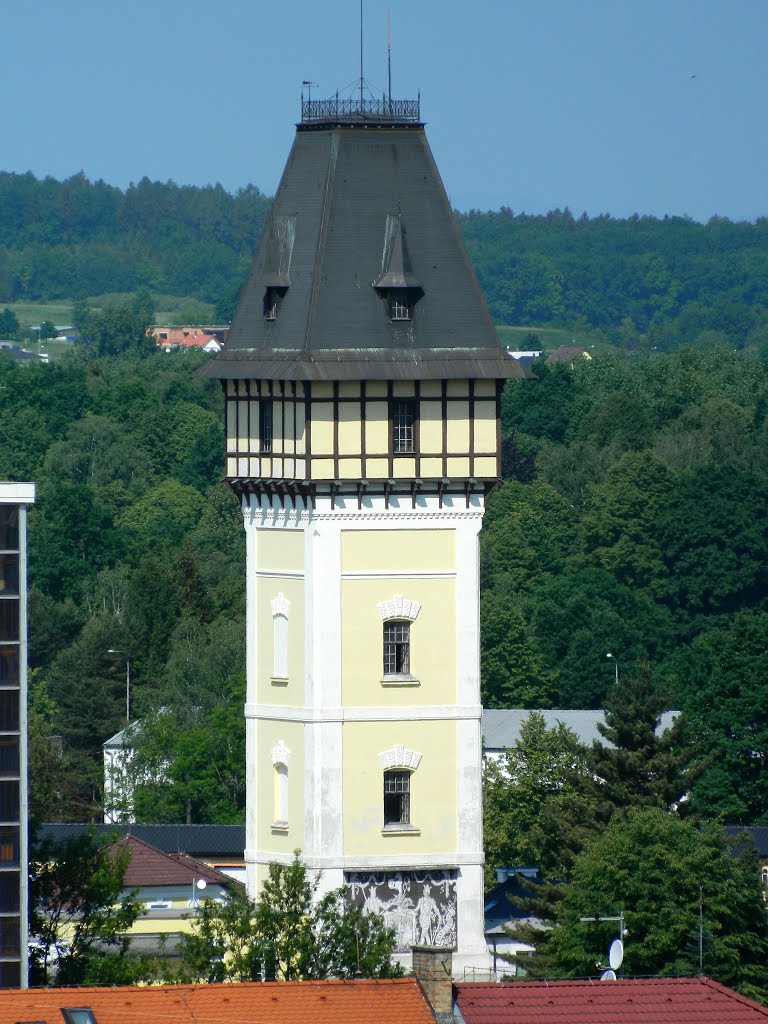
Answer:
(398, 607)
(280, 753)
(280, 606)
(364, 713)
(399, 756)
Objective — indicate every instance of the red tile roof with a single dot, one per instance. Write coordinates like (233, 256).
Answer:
(149, 866)
(290, 1002)
(642, 1001)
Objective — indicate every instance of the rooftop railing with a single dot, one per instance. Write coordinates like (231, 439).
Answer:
(360, 110)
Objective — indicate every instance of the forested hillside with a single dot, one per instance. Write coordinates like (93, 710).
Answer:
(645, 283)
(631, 521)
(77, 238)
(135, 548)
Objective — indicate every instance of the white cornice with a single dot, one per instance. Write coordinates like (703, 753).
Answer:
(391, 862)
(427, 713)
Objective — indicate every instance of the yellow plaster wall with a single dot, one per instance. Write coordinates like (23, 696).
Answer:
(457, 432)
(431, 427)
(350, 429)
(458, 468)
(376, 428)
(431, 467)
(432, 654)
(486, 467)
(322, 428)
(268, 735)
(396, 551)
(280, 549)
(485, 426)
(433, 788)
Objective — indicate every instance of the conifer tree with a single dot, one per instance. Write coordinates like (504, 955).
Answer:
(643, 766)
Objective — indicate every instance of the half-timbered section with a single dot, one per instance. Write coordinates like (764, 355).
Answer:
(431, 430)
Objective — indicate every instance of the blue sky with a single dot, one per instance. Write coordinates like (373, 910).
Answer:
(616, 106)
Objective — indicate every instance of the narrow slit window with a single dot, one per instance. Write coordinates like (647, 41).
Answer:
(403, 426)
(281, 795)
(266, 424)
(280, 664)
(397, 798)
(397, 648)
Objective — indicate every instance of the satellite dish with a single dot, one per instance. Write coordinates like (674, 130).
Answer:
(201, 884)
(616, 954)
(608, 975)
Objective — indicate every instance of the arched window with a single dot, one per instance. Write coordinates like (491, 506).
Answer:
(399, 764)
(397, 798)
(397, 615)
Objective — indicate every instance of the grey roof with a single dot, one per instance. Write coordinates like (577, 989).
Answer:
(758, 834)
(196, 840)
(361, 210)
(501, 728)
(124, 738)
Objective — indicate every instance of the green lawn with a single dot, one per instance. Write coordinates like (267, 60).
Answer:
(517, 338)
(30, 314)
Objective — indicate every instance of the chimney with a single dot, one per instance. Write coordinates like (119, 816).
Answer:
(432, 967)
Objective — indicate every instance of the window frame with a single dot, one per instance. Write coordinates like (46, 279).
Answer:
(266, 426)
(396, 804)
(400, 305)
(405, 419)
(396, 649)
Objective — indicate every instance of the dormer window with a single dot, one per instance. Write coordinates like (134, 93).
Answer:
(399, 304)
(273, 297)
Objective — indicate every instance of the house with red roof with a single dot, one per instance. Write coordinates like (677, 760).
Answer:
(170, 886)
(287, 1002)
(639, 1001)
(168, 338)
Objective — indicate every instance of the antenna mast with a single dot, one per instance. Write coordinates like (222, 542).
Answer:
(389, 65)
(361, 55)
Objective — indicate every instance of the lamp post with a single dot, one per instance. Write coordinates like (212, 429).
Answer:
(199, 883)
(615, 665)
(116, 650)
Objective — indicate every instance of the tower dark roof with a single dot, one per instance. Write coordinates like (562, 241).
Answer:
(361, 213)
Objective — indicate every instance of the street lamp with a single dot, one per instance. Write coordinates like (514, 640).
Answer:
(200, 883)
(615, 665)
(116, 650)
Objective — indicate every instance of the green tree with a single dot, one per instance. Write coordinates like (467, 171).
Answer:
(47, 330)
(721, 680)
(539, 801)
(670, 878)
(513, 671)
(288, 935)
(640, 765)
(80, 911)
(9, 325)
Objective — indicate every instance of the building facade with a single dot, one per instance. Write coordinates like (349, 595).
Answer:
(362, 378)
(14, 499)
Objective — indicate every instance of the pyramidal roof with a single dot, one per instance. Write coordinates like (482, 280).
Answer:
(360, 214)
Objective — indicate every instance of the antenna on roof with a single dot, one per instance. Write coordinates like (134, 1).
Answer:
(389, 65)
(361, 54)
